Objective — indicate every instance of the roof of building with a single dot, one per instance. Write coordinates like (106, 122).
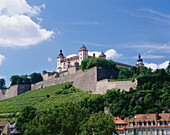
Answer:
(121, 64)
(3, 124)
(102, 55)
(139, 58)
(150, 118)
(60, 55)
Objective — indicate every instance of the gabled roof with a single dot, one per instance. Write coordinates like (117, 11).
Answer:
(2, 124)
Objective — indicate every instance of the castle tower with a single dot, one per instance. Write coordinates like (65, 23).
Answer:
(139, 61)
(60, 59)
(83, 54)
(102, 55)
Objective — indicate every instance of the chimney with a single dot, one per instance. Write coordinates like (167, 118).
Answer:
(93, 54)
(157, 114)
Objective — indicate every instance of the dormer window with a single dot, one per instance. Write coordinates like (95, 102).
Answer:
(147, 123)
(138, 123)
(142, 123)
(131, 124)
(158, 124)
(163, 123)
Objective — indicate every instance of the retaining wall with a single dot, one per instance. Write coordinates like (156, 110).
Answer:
(14, 90)
(104, 85)
(52, 82)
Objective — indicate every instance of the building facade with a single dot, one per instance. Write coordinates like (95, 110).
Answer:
(64, 63)
(149, 124)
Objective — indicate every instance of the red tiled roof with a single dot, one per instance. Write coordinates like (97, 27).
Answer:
(123, 122)
(71, 58)
(121, 64)
(2, 124)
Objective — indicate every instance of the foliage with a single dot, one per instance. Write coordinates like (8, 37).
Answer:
(26, 115)
(99, 124)
(35, 77)
(98, 62)
(127, 103)
(25, 79)
(168, 68)
(65, 119)
(2, 83)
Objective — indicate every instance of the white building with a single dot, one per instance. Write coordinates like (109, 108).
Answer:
(64, 63)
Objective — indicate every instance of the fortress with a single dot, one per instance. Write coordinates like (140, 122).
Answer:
(67, 70)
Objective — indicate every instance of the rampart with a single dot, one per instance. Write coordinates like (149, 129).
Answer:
(53, 81)
(104, 85)
(14, 90)
(95, 80)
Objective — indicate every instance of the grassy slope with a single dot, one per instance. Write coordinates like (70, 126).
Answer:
(38, 98)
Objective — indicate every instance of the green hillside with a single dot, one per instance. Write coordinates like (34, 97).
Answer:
(42, 99)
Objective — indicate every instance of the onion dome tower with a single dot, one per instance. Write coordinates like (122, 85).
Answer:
(60, 59)
(102, 55)
(139, 61)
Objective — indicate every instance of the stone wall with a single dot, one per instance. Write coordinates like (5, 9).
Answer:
(52, 82)
(104, 85)
(14, 90)
(86, 80)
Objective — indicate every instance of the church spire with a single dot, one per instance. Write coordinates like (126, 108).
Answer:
(139, 61)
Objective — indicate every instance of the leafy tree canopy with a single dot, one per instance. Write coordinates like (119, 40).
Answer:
(26, 79)
(98, 62)
(2, 83)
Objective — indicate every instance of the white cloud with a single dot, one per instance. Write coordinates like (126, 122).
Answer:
(49, 59)
(2, 57)
(18, 7)
(152, 56)
(157, 66)
(71, 55)
(17, 29)
(110, 54)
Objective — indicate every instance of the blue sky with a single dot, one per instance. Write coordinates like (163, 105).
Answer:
(33, 31)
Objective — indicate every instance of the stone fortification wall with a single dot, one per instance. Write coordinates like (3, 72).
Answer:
(104, 85)
(52, 82)
(86, 80)
(14, 90)
(104, 74)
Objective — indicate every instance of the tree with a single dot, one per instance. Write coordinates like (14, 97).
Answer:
(98, 62)
(26, 115)
(2, 83)
(98, 124)
(35, 77)
(16, 79)
(168, 68)
(65, 119)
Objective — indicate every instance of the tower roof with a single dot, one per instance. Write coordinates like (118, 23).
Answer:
(139, 58)
(83, 47)
(102, 55)
(60, 54)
